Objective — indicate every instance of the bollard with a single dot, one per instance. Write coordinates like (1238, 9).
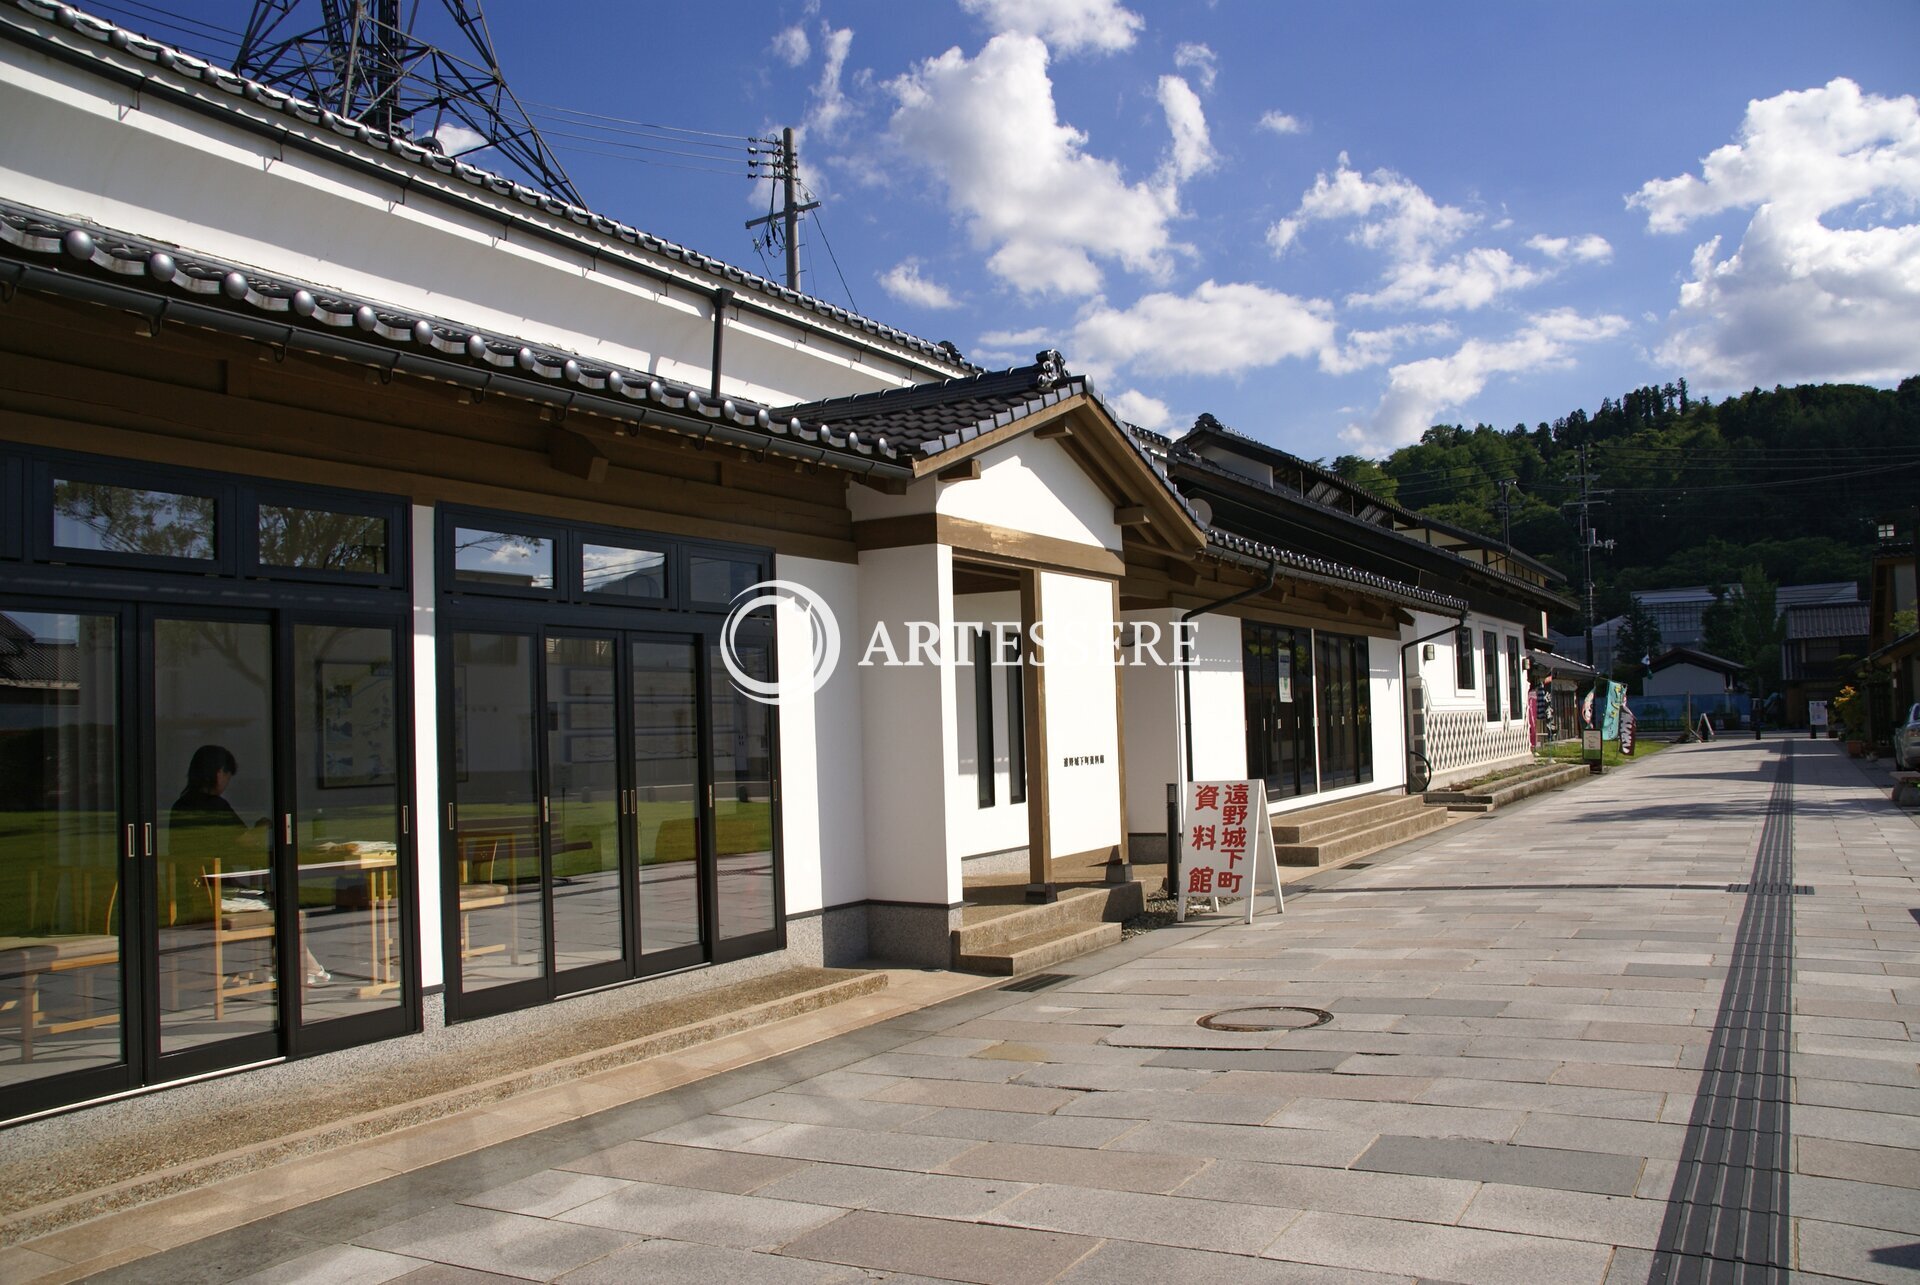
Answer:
(1173, 839)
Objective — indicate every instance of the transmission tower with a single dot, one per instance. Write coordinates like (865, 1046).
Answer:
(359, 59)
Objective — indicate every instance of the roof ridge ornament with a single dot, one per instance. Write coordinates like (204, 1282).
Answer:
(1053, 367)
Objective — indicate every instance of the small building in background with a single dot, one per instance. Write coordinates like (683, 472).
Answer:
(1821, 643)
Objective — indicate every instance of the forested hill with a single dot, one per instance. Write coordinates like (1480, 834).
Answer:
(1695, 491)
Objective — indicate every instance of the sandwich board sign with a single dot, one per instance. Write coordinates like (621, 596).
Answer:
(1226, 844)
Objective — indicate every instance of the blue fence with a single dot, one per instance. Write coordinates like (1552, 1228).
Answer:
(1670, 713)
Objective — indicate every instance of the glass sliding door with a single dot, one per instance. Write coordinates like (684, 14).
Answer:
(62, 845)
(211, 775)
(666, 800)
(1334, 688)
(745, 893)
(347, 805)
(584, 804)
(494, 788)
(1278, 671)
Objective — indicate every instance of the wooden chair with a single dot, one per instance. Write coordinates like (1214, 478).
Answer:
(481, 855)
(28, 959)
(236, 920)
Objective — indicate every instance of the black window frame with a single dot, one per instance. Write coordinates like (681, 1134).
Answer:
(582, 536)
(1490, 647)
(1464, 677)
(1016, 670)
(1516, 697)
(450, 519)
(392, 508)
(13, 507)
(222, 490)
(983, 648)
(687, 552)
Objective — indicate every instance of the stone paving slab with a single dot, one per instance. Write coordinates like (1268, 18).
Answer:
(1504, 1090)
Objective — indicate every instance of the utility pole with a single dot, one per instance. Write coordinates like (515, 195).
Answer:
(1587, 541)
(786, 168)
(1505, 505)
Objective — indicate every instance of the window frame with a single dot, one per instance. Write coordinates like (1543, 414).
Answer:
(223, 491)
(1516, 683)
(452, 518)
(392, 508)
(1490, 648)
(1465, 667)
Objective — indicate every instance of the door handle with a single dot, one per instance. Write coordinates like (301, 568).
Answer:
(286, 827)
(146, 837)
(129, 840)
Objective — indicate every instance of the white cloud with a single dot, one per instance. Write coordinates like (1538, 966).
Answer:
(1187, 121)
(1415, 232)
(1201, 61)
(830, 105)
(791, 46)
(456, 139)
(1023, 181)
(1418, 391)
(1281, 123)
(904, 282)
(1140, 410)
(1469, 280)
(1216, 330)
(1071, 26)
(1802, 298)
(1582, 249)
(1364, 348)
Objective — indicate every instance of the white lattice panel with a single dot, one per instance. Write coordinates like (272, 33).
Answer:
(1463, 738)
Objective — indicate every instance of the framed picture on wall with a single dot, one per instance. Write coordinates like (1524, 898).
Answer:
(359, 724)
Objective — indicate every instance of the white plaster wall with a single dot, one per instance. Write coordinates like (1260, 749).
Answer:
(1219, 702)
(426, 751)
(1234, 462)
(77, 145)
(907, 721)
(1150, 703)
(1034, 486)
(822, 777)
(1083, 800)
(1004, 825)
(866, 504)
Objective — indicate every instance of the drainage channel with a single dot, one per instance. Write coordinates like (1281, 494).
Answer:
(1727, 1214)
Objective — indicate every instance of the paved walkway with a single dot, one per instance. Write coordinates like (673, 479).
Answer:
(1657, 1016)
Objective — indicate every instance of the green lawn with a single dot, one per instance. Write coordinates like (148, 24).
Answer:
(1569, 752)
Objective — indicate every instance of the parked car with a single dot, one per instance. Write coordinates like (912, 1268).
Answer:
(1906, 742)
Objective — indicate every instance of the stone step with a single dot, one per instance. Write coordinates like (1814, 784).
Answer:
(1315, 825)
(1077, 906)
(1510, 790)
(1036, 951)
(1357, 843)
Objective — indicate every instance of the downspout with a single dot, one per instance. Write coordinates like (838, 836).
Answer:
(721, 298)
(1406, 699)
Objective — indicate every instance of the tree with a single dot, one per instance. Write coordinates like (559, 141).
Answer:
(1744, 625)
(1635, 646)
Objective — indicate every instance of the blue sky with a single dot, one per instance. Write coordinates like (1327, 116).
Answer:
(1329, 225)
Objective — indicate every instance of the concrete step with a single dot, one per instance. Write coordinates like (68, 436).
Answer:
(1076, 906)
(1316, 825)
(1030, 954)
(1510, 789)
(1357, 843)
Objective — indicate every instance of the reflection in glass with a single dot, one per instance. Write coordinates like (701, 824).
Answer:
(502, 558)
(666, 766)
(213, 747)
(584, 792)
(743, 795)
(496, 790)
(623, 570)
(717, 580)
(125, 519)
(346, 745)
(321, 540)
(60, 902)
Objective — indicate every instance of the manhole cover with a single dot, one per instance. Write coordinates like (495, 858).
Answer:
(1268, 1017)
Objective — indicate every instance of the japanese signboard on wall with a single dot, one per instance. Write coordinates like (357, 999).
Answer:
(1226, 844)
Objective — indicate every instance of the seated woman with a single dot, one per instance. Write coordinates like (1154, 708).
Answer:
(203, 818)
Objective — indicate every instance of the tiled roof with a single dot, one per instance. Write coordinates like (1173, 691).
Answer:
(107, 35)
(936, 417)
(1189, 460)
(66, 248)
(1207, 427)
(1694, 656)
(928, 418)
(1824, 620)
